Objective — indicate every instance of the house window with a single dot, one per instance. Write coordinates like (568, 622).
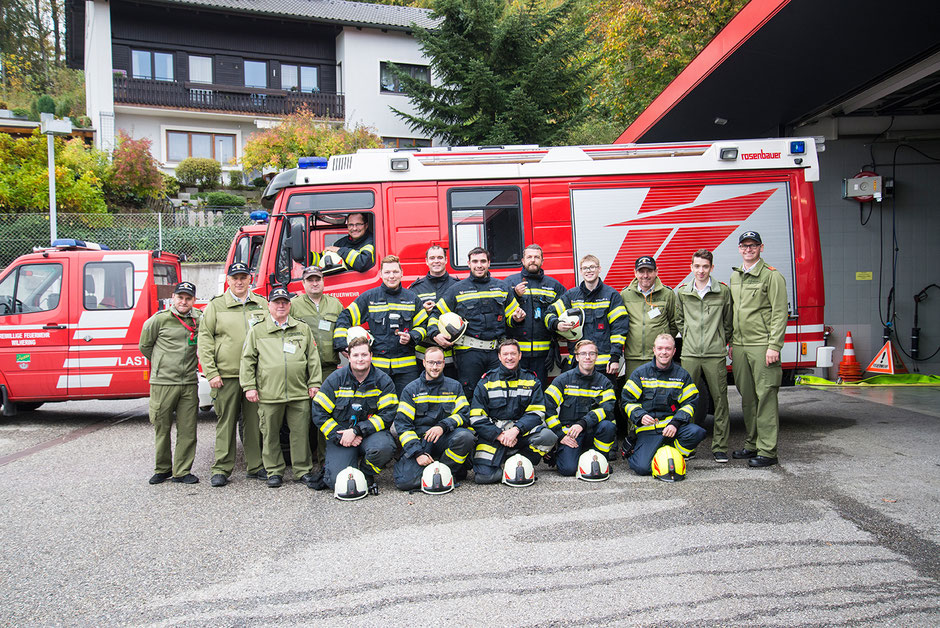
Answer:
(389, 82)
(146, 64)
(200, 69)
(183, 144)
(487, 217)
(256, 74)
(405, 142)
(300, 78)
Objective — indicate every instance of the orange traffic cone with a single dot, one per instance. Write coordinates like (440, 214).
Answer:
(849, 368)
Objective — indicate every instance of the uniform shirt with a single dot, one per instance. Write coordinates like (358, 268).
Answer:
(704, 320)
(165, 342)
(427, 403)
(668, 395)
(223, 329)
(486, 303)
(541, 291)
(759, 304)
(643, 329)
(281, 363)
(605, 320)
(343, 402)
(322, 322)
(574, 397)
(386, 311)
(504, 399)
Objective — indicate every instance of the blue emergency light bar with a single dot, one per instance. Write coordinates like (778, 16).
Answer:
(259, 215)
(798, 147)
(311, 162)
(73, 243)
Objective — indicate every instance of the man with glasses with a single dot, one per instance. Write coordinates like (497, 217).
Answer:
(535, 292)
(432, 423)
(429, 289)
(759, 311)
(357, 249)
(579, 408)
(605, 320)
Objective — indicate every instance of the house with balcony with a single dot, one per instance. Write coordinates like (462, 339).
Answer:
(199, 77)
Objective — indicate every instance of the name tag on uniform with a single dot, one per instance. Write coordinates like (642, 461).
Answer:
(325, 325)
(289, 348)
(653, 313)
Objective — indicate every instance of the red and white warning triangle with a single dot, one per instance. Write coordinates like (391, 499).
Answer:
(887, 361)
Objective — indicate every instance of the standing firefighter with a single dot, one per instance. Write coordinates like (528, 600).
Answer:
(225, 324)
(280, 370)
(429, 289)
(168, 340)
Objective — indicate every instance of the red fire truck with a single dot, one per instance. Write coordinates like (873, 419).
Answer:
(617, 202)
(70, 321)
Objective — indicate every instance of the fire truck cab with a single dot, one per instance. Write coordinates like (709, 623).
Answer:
(70, 321)
(617, 202)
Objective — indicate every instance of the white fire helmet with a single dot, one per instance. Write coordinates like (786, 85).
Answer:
(436, 479)
(573, 315)
(358, 332)
(350, 484)
(593, 467)
(518, 471)
(331, 262)
(668, 464)
(451, 326)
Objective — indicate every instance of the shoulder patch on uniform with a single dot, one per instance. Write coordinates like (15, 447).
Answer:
(722, 283)
(682, 285)
(771, 267)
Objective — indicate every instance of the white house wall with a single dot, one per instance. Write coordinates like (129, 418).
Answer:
(99, 88)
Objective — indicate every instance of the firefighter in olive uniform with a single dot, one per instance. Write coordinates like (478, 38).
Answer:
(507, 414)
(222, 332)
(651, 307)
(429, 289)
(488, 306)
(759, 306)
(396, 321)
(431, 423)
(280, 369)
(168, 341)
(535, 292)
(357, 249)
(704, 319)
(659, 399)
(579, 408)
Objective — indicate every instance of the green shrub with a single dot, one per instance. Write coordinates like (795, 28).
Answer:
(21, 112)
(43, 104)
(199, 172)
(170, 185)
(258, 182)
(235, 179)
(224, 199)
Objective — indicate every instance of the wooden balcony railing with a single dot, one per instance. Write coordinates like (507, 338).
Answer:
(177, 94)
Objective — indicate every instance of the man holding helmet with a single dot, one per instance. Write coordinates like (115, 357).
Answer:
(356, 250)
(429, 289)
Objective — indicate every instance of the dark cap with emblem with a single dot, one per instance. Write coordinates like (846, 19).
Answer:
(750, 235)
(644, 262)
(238, 268)
(185, 287)
(279, 293)
(313, 271)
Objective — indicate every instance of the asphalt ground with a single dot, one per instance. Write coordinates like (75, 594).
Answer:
(844, 531)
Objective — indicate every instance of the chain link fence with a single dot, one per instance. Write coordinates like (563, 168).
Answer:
(201, 235)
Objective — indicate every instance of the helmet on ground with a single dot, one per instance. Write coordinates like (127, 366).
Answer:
(350, 484)
(331, 262)
(359, 332)
(437, 479)
(668, 464)
(451, 326)
(573, 315)
(518, 471)
(593, 466)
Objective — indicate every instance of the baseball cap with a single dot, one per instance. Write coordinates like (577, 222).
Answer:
(750, 235)
(310, 271)
(644, 262)
(185, 287)
(238, 268)
(279, 293)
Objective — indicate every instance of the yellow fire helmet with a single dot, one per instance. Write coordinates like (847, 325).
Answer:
(356, 332)
(572, 315)
(518, 471)
(451, 326)
(668, 464)
(350, 485)
(436, 479)
(331, 263)
(593, 466)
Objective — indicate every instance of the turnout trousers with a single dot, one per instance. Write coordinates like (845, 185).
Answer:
(374, 452)
(165, 402)
(600, 438)
(471, 365)
(452, 449)
(230, 404)
(758, 385)
(687, 437)
(489, 456)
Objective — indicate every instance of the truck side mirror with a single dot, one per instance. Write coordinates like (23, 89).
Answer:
(298, 244)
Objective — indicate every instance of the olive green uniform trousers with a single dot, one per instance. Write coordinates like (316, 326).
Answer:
(758, 385)
(183, 401)
(713, 373)
(230, 404)
(297, 416)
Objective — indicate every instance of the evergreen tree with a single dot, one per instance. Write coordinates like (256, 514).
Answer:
(506, 73)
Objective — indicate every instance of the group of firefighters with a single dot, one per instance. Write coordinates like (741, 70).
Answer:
(453, 375)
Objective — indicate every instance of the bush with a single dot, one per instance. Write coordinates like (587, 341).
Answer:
(199, 172)
(224, 199)
(43, 104)
(235, 179)
(259, 182)
(135, 175)
(21, 112)
(170, 185)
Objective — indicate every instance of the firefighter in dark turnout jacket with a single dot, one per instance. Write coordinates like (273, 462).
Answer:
(429, 289)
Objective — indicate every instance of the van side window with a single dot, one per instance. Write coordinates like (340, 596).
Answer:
(108, 286)
(165, 279)
(31, 288)
(488, 217)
